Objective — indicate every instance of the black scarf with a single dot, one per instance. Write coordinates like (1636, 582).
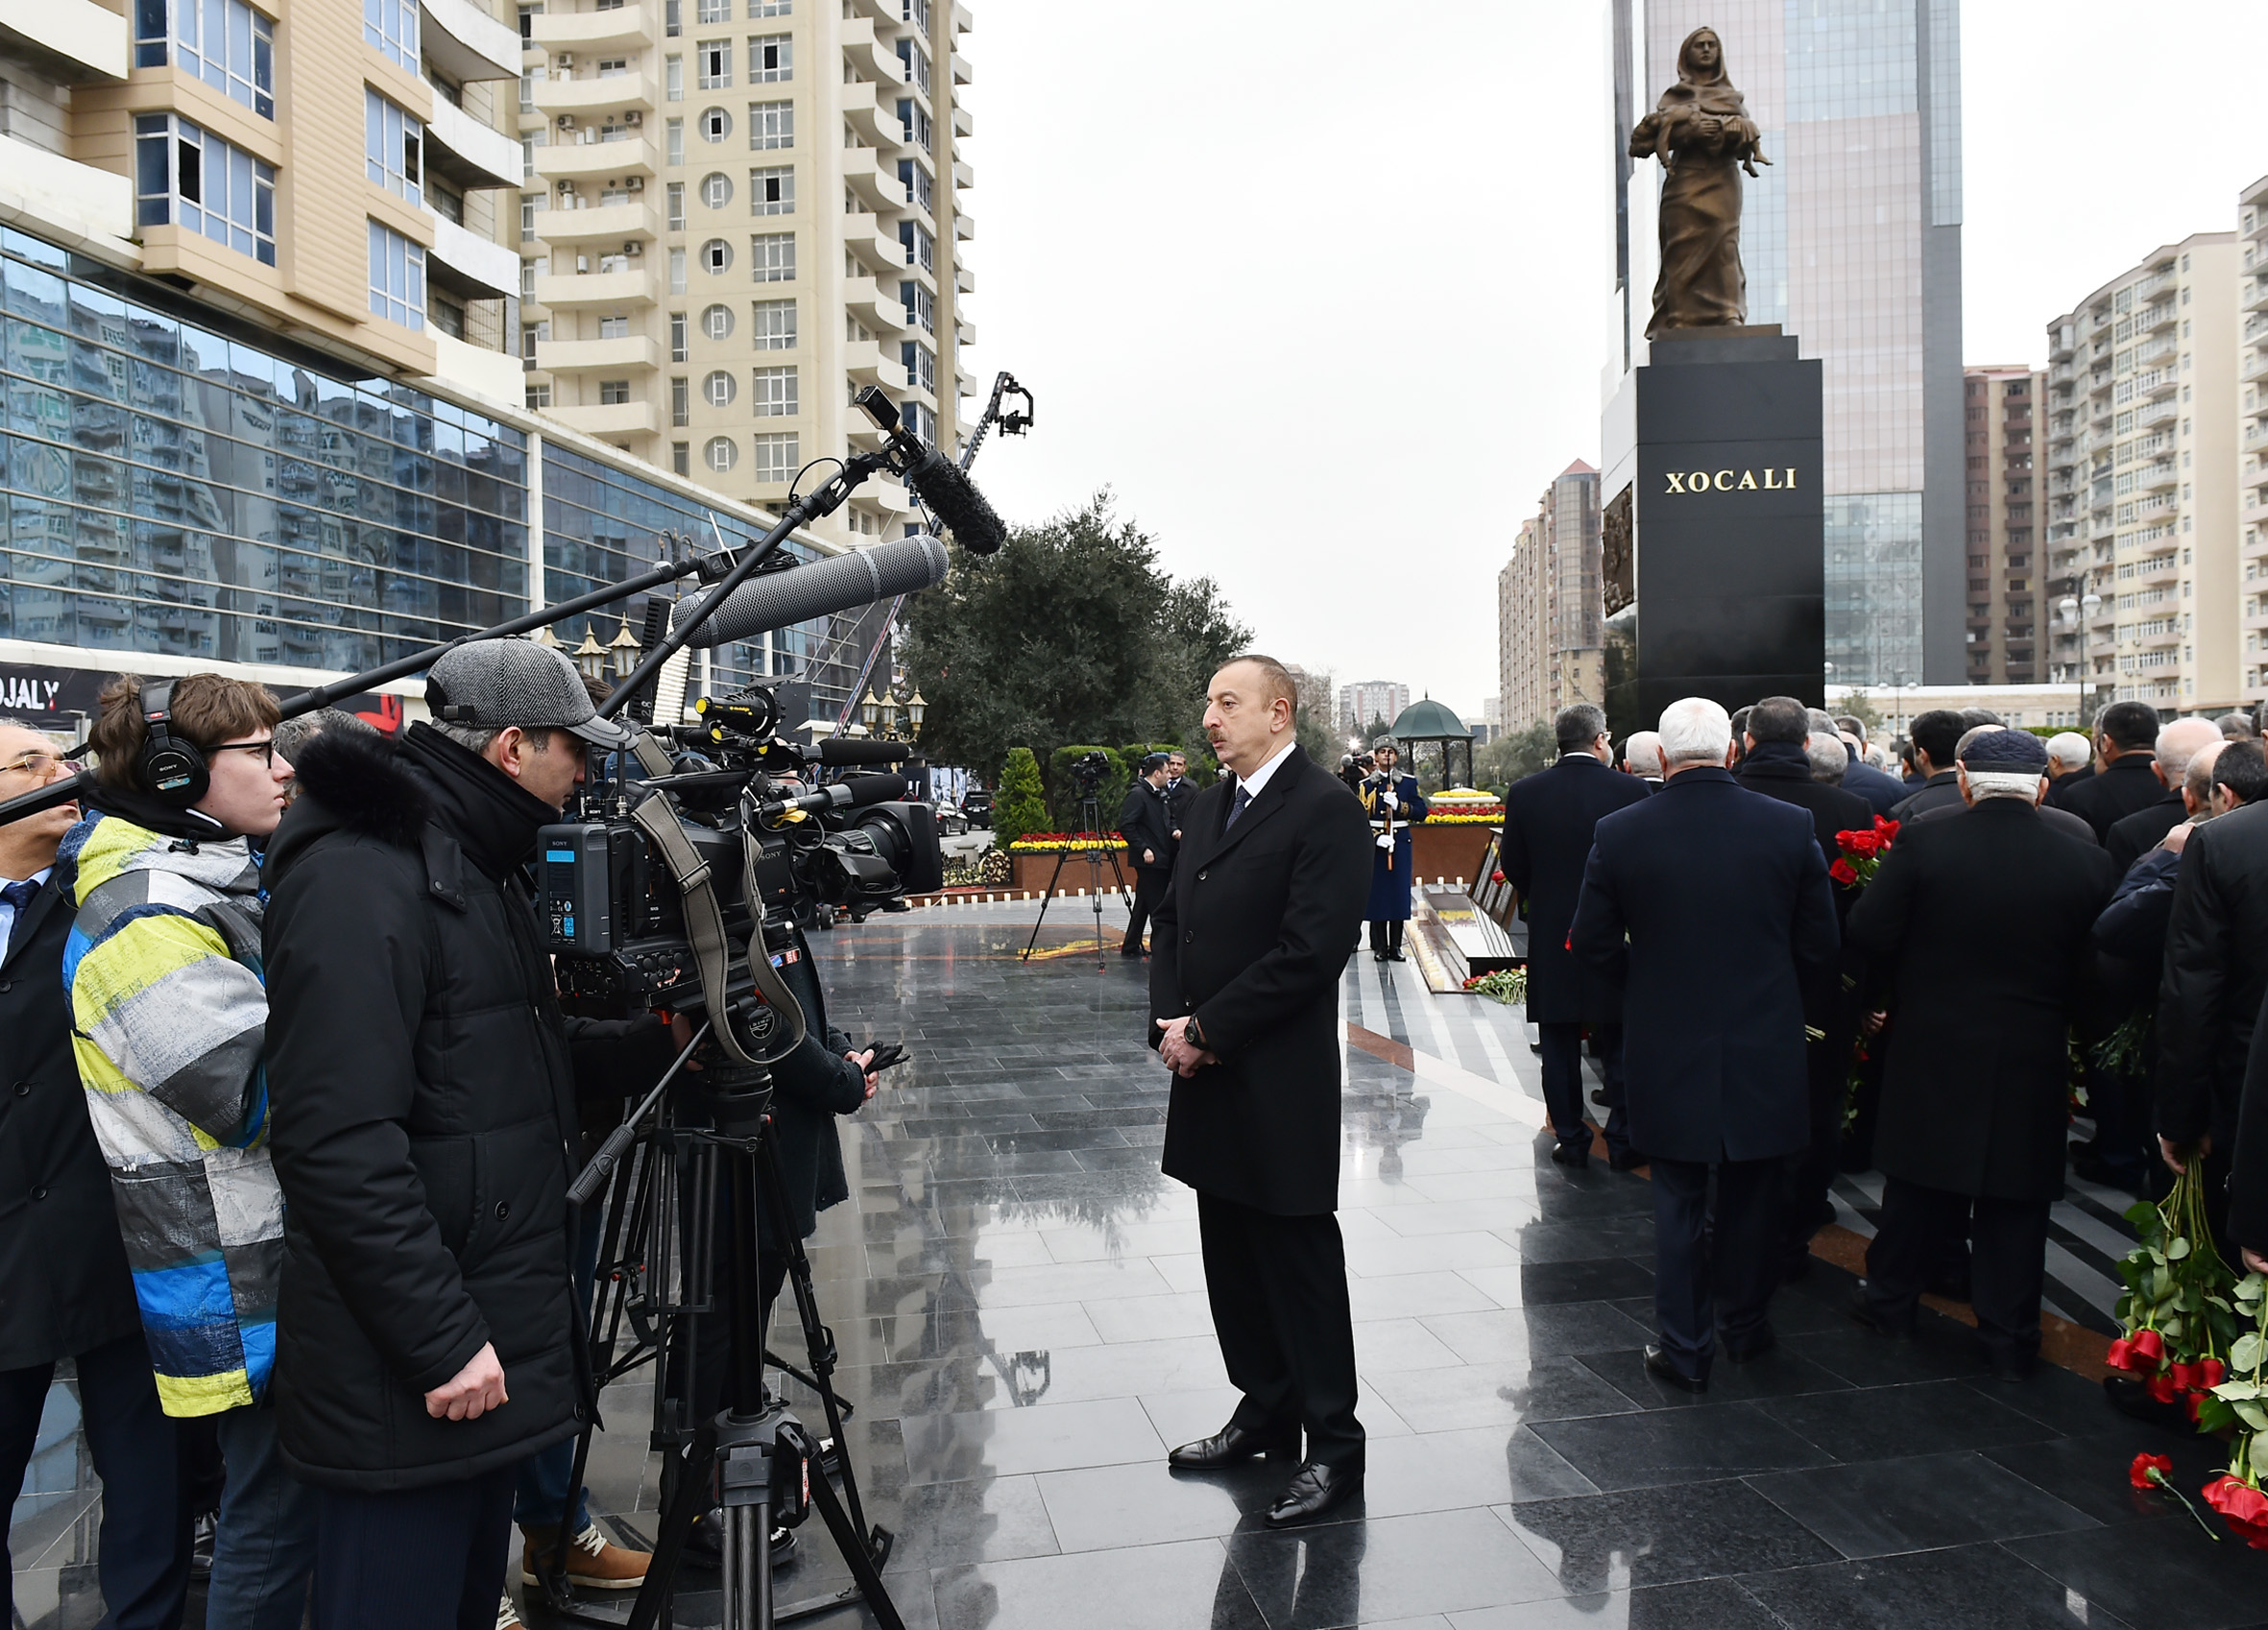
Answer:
(488, 813)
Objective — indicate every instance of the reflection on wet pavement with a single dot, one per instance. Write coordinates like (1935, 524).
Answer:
(1018, 1299)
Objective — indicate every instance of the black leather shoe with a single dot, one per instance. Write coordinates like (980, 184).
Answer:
(1863, 1314)
(1395, 956)
(1752, 1349)
(1232, 1445)
(1659, 1367)
(1378, 956)
(1630, 1161)
(1569, 1154)
(1315, 1488)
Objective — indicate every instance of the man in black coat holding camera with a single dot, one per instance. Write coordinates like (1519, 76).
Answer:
(1145, 820)
(1267, 894)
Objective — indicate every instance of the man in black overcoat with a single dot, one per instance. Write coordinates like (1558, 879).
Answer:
(1709, 906)
(2126, 738)
(1145, 820)
(2133, 837)
(1547, 837)
(1932, 738)
(1977, 938)
(1244, 990)
(64, 1289)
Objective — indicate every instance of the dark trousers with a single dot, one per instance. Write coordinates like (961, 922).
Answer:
(1563, 1089)
(2007, 1261)
(1150, 891)
(1385, 935)
(1715, 1266)
(144, 1545)
(1278, 1290)
(413, 1559)
(2124, 1109)
(1804, 1206)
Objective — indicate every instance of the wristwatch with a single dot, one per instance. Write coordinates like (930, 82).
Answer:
(1194, 1034)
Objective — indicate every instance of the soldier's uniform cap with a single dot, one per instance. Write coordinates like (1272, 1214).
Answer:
(491, 683)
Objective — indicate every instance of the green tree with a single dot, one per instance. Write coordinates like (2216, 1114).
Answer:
(1315, 735)
(1018, 805)
(1859, 706)
(1517, 754)
(1375, 729)
(1071, 632)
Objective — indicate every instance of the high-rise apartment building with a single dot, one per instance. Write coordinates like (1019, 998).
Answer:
(1551, 611)
(2252, 432)
(2006, 602)
(1851, 241)
(1360, 704)
(737, 212)
(2141, 430)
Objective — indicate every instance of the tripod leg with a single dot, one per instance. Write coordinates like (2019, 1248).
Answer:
(1060, 857)
(853, 1545)
(687, 1502)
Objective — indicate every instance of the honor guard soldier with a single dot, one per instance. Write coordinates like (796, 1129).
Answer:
(1393, 803)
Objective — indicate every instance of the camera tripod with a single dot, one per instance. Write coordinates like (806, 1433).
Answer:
(661, 1273)
(1089, 820)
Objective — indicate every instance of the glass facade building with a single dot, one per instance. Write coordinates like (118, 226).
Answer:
(180, 485)
(1851, 242)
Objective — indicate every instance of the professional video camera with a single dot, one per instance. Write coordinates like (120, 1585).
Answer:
(1088, 771)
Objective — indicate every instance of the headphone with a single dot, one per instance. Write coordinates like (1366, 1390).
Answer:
(171, 767)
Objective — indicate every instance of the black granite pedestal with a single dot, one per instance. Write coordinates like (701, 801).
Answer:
(1714, 448)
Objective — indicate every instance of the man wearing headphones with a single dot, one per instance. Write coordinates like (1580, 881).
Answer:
(169, 1008)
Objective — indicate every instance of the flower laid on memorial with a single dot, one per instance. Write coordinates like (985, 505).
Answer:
(2237, 1404)
(1506, 984)
(1462, 806)
(2181, 1326)
(1058, 843)
(1862, 853)
(2154, 1471)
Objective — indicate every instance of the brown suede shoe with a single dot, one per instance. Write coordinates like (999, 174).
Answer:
(593, 1562)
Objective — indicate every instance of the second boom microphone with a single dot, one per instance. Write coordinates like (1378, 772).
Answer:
(840, 583)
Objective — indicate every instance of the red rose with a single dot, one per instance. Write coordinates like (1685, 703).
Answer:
(2149, 1344)
(2243, 1505)
(2186, 1376)
(1887, 829)
(2148, 1470)
(1865, 845)
(1496, 876)
(2211, 1373)
(1843, 873)
(2193, 1401)
(2162, 1388)
(2120, 1355)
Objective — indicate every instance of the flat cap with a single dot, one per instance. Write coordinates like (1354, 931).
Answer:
(2006, 752)
(491, 683)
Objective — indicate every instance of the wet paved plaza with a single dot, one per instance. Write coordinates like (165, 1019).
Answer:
(1018, 1299)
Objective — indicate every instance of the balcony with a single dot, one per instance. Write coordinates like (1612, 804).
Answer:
(632, 353)
(873, 243)
(626, 28)
(75, 41)
(463, 151)
(963, 175)
(865, 365)
(588, 95)
(613, 290)
(2160, 569)
(2256, 435)
(2162, 637)
(466, 43)
(876, 187)
(873, 301)
(962, 72)
(611, 418)
(2154, 353)
(2156, 318)
(2156, 478)
(964, 226)
(597, 222)
(2164, 411)
(964, 123)
(470, 266)
(964, 280)
(870, 56)
(2254, 293)
(873, 114)
(2255, 366)
(962, 22)
(597, 161)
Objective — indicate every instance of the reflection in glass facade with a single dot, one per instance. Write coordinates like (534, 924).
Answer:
(182, 490)
(1873, 587)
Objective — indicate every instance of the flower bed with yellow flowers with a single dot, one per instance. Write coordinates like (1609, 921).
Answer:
(1461, 807)
(1061, 843)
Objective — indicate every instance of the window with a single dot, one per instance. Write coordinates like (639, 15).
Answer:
(394, 147)
(717, 323)
(677, 336)
(614, 328)
(771, 7)
(773, 328)
(712, 10)
(397, 277)
(532, 335)
(223, 42)
(539, 398)
(771, 124)
(674, 17)
(681, 403)
(777, 459)
(673, 79)
(772, 192)
(913, 415)
(771, 59)
(677, 271)
(919, 188)
(720, 454)
(674, 140)
(916, 121)
(712, 62)
(917, 65)
(921, 305)
(613, 392)
(921, 249)
(226, 194)
(921, 365)
(716, 190)
(771, 257)
(916, 12)
(718, 389)
(715, 124)
(529, 204)
(716, 255)
(389, 28)
(774, 395)
(680, 458)
(677, 206)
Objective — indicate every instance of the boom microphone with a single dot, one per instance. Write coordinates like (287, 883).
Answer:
(857, 792)
(850, 750)
(946, 488)
(838, 584)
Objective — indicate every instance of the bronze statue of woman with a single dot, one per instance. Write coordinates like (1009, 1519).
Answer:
(1702, 132)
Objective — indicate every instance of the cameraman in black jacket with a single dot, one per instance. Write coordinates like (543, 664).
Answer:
(423, 1083)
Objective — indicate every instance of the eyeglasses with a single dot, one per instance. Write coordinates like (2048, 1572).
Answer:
(39, 765)
(265, 748)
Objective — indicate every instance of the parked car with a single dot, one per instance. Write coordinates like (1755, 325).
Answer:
(977, 807)
(951, 819)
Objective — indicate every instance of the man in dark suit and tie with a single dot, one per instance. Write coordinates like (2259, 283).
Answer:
(1247, 953)
(1146, 824)
(1180, 791)
(1547, 837)
(2125, 740)
(64, 1288)
(1709, 906)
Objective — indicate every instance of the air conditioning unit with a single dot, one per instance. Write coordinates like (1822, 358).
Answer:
(636, 183)
(566, 121)
(634, 118)
(565, 60)
(634, 249)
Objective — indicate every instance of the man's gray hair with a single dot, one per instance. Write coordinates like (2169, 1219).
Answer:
(1821, 719)
(2183, 740)
(1577, 725)
(475, 739)
(2070, 750)
(1643, 752)
(1828, 760)
(1695, 730)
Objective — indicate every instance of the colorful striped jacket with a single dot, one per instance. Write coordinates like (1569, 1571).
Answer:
(170, 1011)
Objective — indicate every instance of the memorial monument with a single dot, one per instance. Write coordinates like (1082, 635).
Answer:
(1715, 515)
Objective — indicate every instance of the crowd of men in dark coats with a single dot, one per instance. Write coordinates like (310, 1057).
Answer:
(1766, 1013)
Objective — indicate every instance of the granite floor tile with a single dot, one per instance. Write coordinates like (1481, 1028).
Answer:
(1652, 1446)
(2166, 1576)
(1352, 1573)
(1478, 1465)
(1148, 1318)
(1480, 1395)
(1147, 1503)
(1703, 1604)
(1187, 1586)
(2089, 1474)
(1968, 1588)
(1778, 1374)
(1496, 1334)
(1662, 1536)
(1891, 1423)
(1400, 1344)
(1045, 1437)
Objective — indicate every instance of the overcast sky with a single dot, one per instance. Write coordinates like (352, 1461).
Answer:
(1320, 296)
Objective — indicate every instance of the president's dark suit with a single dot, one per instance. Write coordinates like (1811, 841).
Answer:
(64, 1290)
(1251, 939)
(1546, 838)
(1724, 898)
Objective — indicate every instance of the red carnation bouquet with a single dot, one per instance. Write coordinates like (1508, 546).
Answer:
(1862, 852)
